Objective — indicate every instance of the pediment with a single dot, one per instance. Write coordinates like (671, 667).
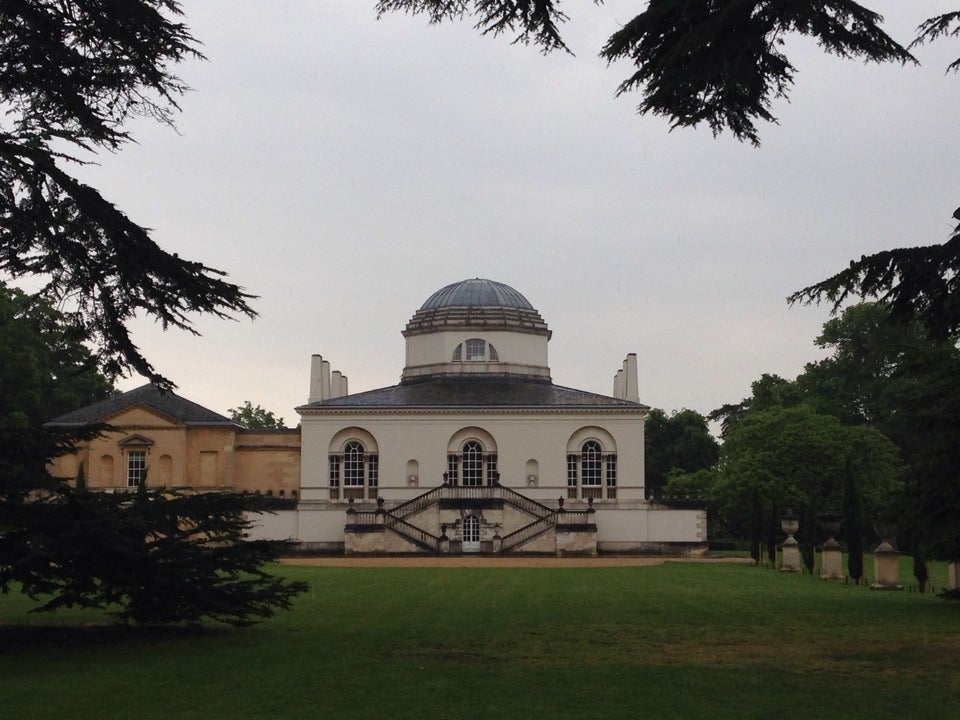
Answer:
(135, 441)
(139, 415)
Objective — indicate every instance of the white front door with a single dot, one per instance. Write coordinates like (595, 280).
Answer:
(471, 534)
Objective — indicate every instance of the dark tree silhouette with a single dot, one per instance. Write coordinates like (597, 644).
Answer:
(72, 73)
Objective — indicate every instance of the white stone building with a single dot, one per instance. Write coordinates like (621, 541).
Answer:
(476, 450)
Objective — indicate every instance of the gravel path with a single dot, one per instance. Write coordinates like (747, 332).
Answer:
(481, 561)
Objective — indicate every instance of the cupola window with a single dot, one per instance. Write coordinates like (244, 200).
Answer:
(475, 350)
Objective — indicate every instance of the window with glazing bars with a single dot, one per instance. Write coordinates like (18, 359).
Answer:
(476, 349)
(611, 470)
(353, 465)
(591, 464)
(334, 466)
(491, 468)
(373, 470)
(572, 476)
(136, 467)
(472, 464)
(453, 462)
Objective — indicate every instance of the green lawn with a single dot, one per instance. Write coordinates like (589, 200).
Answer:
(678, 640)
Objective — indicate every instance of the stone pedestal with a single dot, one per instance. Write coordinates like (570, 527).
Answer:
(832, 561)
(953, 575)
(444, 543)
(886, 567)
(791, 560)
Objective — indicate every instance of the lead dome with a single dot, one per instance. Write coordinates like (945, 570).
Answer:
(477, 292)
(473, 328)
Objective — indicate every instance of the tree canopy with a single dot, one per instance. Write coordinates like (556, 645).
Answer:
(255, 417)
(917, 283)
(47, 369)
(723, 63)
(153, 556)
(681, 441)
(718, 62)
(892, 379)
(71, 75)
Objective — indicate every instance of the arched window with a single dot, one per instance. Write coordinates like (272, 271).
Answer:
(359, 471)
(591, 464)
(472, 466)
(475, 350)
(588, 472)
(353, 461)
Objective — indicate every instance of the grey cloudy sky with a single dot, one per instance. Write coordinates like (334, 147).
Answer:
(343, 168)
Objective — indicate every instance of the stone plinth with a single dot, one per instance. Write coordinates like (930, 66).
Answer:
(790, 560)
(886, 567)
(832, 561)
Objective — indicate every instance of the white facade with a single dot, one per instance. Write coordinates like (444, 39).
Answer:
(476, 450)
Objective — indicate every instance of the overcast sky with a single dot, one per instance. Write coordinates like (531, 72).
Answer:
(343, 168)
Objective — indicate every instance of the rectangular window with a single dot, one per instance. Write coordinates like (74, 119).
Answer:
(612, 477)
(373, 470)
(611, 470)
(452, 463)
(136, 467)
(590, 471)
(572, 476)
(476, 350)
(334, 471)
(491, 468)
(334, 465)
(353, 469)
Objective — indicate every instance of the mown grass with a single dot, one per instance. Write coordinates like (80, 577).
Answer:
(674, 641)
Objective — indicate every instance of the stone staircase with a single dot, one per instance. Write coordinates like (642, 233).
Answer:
(400, 529)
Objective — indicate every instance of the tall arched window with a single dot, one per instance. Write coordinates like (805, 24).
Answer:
(591, 464)
(588, 472)
(357, 470)
(472, 466)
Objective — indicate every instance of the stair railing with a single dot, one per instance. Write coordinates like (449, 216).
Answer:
(528, 532)
(411, 531)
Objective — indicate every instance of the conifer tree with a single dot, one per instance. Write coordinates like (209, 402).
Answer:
(853, 525)
(72, 74)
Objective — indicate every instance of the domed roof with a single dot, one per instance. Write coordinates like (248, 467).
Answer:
(477, 293)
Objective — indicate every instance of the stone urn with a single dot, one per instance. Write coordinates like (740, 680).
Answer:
(790, 560)
(830, 524)
(790, 523)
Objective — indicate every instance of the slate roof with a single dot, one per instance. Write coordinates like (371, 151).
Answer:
(470, 393)
(477, 292)
(149, 395)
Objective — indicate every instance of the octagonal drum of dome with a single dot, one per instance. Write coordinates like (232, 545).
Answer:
(476, 327)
